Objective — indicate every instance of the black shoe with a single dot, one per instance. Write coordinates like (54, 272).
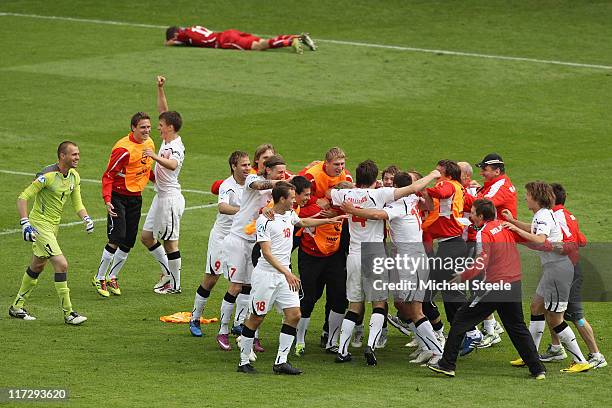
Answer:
(324, 337)
(370, 356)
(442, 370)
(332, 350)
(343, 359)
(247, 369)
(286, 368)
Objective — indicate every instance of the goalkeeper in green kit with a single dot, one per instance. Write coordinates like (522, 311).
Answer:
(53, 187)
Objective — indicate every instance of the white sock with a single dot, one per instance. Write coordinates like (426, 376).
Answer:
(302, 327)
(242, 308)
(160, 256)
(227, 309)
(421, 343)
(284, 346)
(335, 322)
(376, 324)
(174, 264)
(425, 332)
(199, 303)
(569, 340)
(536, 328)
(257, 333)
(105, 262)
(118, 261)
(555, 347)
(246, 347)
(489, 326)
(345, 335)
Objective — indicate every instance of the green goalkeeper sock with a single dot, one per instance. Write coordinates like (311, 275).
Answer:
(61, 286)
(28, 283)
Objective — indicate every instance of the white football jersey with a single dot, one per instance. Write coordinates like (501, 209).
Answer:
(252, 201)
(279, 232)
(404, 220)
(360, 229)
(166, 180)
(230, 192)
(544, 223)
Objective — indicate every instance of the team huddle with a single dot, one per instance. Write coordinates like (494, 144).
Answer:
(340, 226)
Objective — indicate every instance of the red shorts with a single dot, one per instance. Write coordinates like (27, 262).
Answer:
(235, 39)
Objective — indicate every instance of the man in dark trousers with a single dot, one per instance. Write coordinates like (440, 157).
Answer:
(499, 260)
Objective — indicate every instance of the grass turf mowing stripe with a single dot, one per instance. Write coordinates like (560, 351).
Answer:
(339, 42)
(70, 224)
(23, 173)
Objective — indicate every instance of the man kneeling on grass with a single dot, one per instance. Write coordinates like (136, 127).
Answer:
(273, 283)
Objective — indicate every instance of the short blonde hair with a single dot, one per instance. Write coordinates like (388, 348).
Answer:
(334, 153)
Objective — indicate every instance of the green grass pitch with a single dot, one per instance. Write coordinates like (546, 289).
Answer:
(79, 80)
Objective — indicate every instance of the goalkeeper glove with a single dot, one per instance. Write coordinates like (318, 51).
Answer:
(89, 224)
(29, 232)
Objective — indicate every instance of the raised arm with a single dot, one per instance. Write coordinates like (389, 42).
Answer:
(367, 213)
(162, 103)
(315, 222)
(263, 184)
(416, 186)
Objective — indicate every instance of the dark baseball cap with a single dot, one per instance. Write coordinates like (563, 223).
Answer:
(491, 159)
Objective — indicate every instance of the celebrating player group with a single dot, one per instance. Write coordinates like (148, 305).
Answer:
(455, 229)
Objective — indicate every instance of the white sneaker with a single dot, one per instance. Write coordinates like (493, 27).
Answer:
(434, 359)
(357, 340)
(398, 324)
(163, 281)
(167, 289)
(252, 356)
(498, 328)
(412, 344)
(415, 353)
(441, 339)
(488, 340)
(306, 39)
(74, 318)
(597, 362)
(382, 340)
(20, 313)
(423, 357)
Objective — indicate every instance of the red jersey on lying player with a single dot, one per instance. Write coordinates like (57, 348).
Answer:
(197, 36)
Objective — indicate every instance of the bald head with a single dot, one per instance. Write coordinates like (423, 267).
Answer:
(466, 173)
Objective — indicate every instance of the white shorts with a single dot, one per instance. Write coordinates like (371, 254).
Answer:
(237, 260)
(271, 289)
(214, 254)
(414, 278)
(364, 285)
(354, 291)
(164, 216)
(555, 284)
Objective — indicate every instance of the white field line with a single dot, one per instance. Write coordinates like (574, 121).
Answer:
(31, 174)
(70, 224)
(351, 43)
